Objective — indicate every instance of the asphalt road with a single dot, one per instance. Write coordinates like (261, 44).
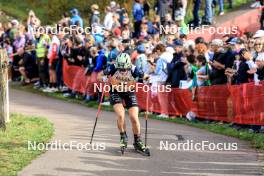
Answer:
(73, 123)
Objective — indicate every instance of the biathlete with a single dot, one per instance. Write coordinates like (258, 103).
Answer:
(122, 72)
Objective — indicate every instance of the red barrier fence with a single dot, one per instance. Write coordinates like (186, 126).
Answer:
(243, 104)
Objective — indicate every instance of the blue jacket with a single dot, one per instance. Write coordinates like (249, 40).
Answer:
(75, 19)
(100, 61)
(138, 12)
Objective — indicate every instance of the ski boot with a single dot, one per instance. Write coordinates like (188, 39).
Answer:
(140, 148)
(123, 143)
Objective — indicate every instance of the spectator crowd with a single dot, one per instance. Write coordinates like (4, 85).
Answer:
(169, 59)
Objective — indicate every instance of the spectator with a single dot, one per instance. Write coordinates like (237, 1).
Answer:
(217, 75)
(247, 68)
(162, 9)
(42, 43)
(95, 17)
(76, 19)
(141, 60)
(179, 8)
(259, 57)
(53, 57)
(108, 19)
(65, 20)
(27, 67)
(138, 14)
(176, 71)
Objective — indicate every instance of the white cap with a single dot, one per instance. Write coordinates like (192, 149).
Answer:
(259, 34)
(170, 50)
(217, 42)
(112, 4)
(14, 22)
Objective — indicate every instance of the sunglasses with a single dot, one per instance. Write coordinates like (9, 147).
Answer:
(258, 44)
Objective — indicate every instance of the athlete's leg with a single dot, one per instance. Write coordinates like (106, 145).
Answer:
(120, 112)
(133, 114)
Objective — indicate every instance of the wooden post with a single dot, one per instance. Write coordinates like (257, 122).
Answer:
(4, 97)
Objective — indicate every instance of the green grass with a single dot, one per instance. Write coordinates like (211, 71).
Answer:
(48, 12)
(257, 140)
(14, 153)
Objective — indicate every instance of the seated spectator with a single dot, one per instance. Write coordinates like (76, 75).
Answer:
(27, 66)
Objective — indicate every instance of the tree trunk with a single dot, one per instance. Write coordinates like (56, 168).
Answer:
(4, 104)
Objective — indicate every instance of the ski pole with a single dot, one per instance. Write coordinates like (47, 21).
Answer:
(97, 114)
(146, 120)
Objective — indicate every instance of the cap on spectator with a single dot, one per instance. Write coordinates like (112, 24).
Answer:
(112, 4)
(178, 43)
(217, 42)
(74, 11)
(199, 40)
(141, 48)
(14, 22)
(259, 34)
(89, 39)
(94, 7)
(170, 50)
(242, 51)
(235, 41)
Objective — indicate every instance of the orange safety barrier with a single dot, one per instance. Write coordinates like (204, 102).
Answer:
(242, 104)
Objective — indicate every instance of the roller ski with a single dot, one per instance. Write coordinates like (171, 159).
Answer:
(140, 148)
(123, 143)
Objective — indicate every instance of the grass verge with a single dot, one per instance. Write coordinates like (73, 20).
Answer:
(256, 139)
(14, 153)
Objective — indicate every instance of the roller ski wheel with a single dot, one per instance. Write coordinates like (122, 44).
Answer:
(140, 148)
(123, 144)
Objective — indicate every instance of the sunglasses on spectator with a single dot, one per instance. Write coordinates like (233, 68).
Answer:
(258, 44)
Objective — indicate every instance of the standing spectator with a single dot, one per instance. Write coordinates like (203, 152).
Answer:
(14, 30)
(146, 7)
(162, 8)
(259, 57)
(108, 19)
(53, 57)
(230, 2)
(41, 45)
(95, 17)
(76, 19)
(217, 75)
(176, 71)
(138, 14)
(247, 68)
(201, 75)
(208, 12)
(196, 18)
(179, 8)
(141, 60)
(113, 53)
(65, 20)
(221, 6)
